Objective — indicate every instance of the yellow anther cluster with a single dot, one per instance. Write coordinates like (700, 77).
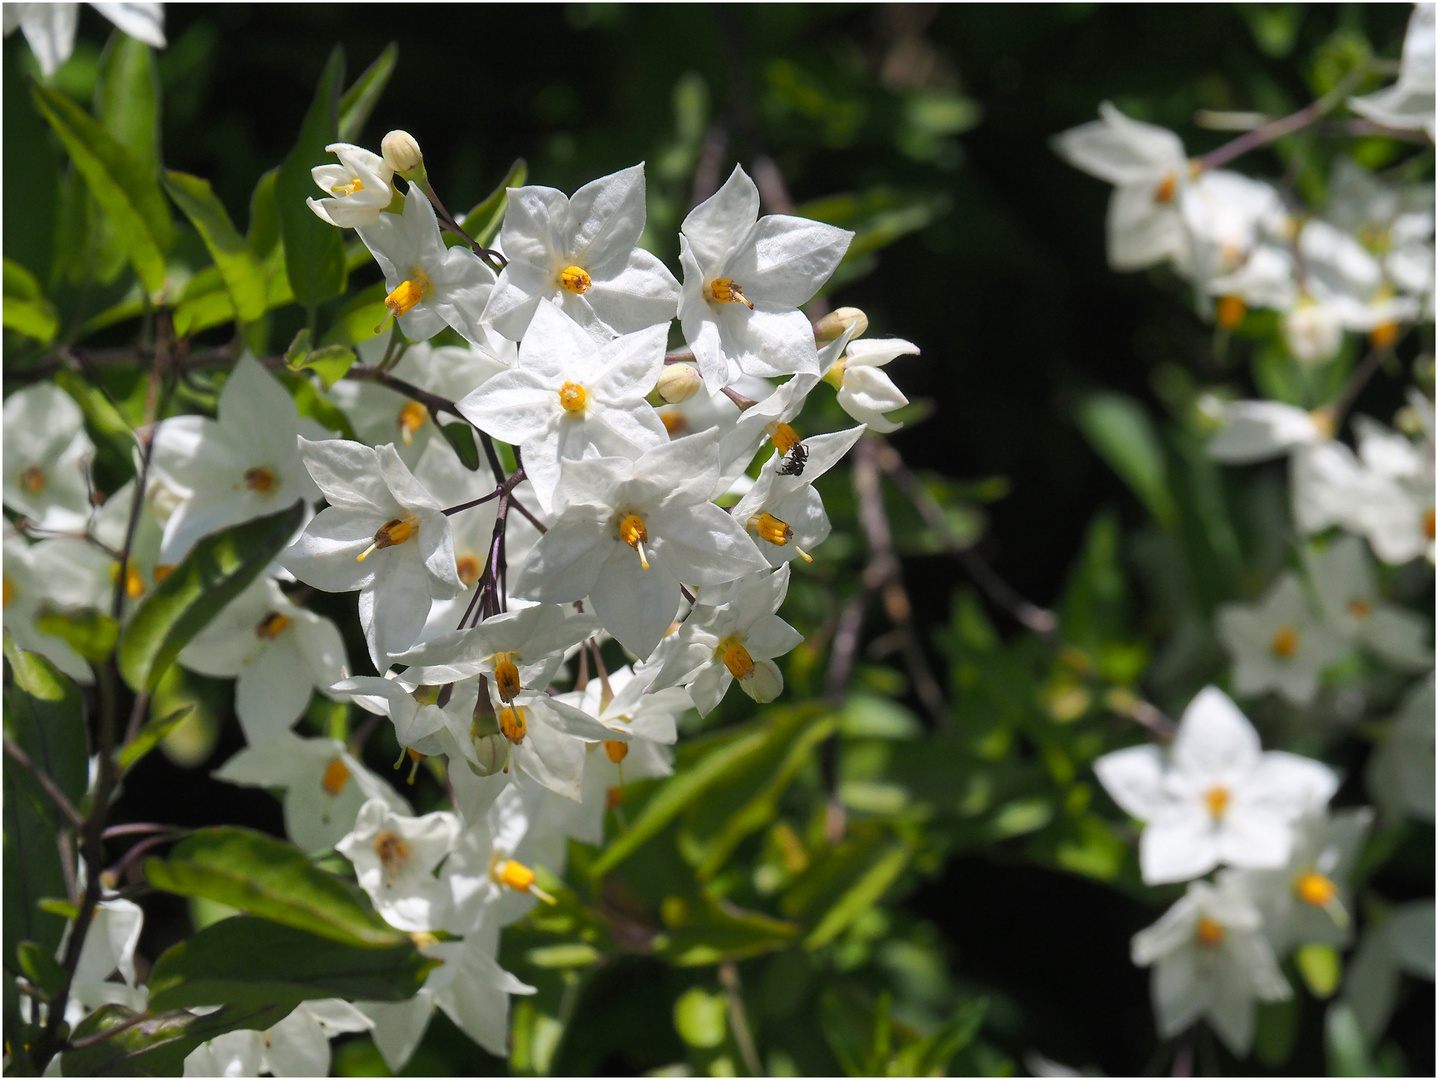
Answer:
(1359, 608)
(784, 437)
(393, 532)
(1383, 335)
(467, 567)
(407, 294)
(506, 679)
(339, 191)
(271, 626)
(1166, 190)
(1208, 932)
(1230, 311)
(1217, 798)
(615, 750)
(1285, 642)
(32, 479)
(736, 658)
(411, 418)
(1428, 523)
(634, 533)
(9, 591)
(392, 852)
(572, 397)
(512, 724)
(727, 291)
(336, 776)
(1313, 888)
(575, 280)
(260, 480)
(772, 529)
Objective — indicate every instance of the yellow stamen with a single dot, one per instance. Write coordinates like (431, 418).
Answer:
(783, 436)
(335, 778)
(572, 397)
(736, 658)
(772, 529)
(676, 423)
(1359, 608)
(1313, 888)
(518, 877)
(512, 724)
(616, 751)
(259, 480)
(1324, 421)
(633, 533)
(1217, 798)
(467, 567)
(412, 416)
(32, 479)
(393, 532)
(9, 591)
(613, 797)
(415, 758)
(405, 296)
(392, 852)
(1167, 188)
(575, 280)
(1208, 932)
(341, 190)
(1230, 311)
(1285, 642)
(134, 581)
(1428, 523)
(1383, 335)
(727, 291)
(162, 571)
(272, 626)
(506, 680)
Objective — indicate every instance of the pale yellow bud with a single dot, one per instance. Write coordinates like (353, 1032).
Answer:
(837, 321)
(678, 383)
(401, 152)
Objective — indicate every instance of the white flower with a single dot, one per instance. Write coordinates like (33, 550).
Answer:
(546, 737)
(360, 187)
(782, 511)
(1149, 170)
(325, 786)
(1407, 105)
(382, 534)
(1400, 776)
(278, 654)
(514, 649)
(1211, 962)
(569, 397)
(1278, 643)
(429, 284)
(1395, 507)
(46, 455)
(50, 27)
(865, 392)
(489, 876)
(243, 465)
(1224, 215)
(57, 574)
(628, 532)
(299, 1045)
(741, 438)
(1342, 575)
(583, 254)
(1308, 899)
(1403, 943)
(745, 278)
(1260, 430)
(394, 857)
(1216, 797)
(414, 709)
(732, 634)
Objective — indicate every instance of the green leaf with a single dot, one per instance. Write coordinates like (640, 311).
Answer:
(361, 98)
(127, 98)
(247, 961)
(238, 266)
(90, 633)
(309, 403)
(44, 716)
(264, 230)
(483, 222)
(119, 183)
(1321, 968)
(861, 896)
(360, 319)
(314, 251)
(216, 571)
(299, 348)
(931, 1056)
(31, 867)
(329, 362)
(713, 931)
(158, 1045)
(26, 309)
(273, 880)
(40, 966)
(1119, 429)
(701, 1018)
(149, 736)
(460, 437)
(1344, 1041)
(62, 908)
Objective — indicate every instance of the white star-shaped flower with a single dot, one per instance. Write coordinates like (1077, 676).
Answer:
(394, 856)
(46, 455)
(359, 188)
(1278, 644)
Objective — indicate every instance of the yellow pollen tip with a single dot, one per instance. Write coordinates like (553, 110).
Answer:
(392, 852)
(784, 437)
(803, 554)
(615, 750)
(575, 280)
(1285, 642)
(727, 291)
(633, 533)
(736, 658)
(1383, 335)
(512, 724)
(1359, 608)
(1230, 311)
(1323, 420)
(272, 626)
(9, 591)
(506, 680)
(520, 878)
(260, 480)
(393, 532)
(1167, 188)
(1208, 932)
(412, 416)
(341, 190)
(1313, 888)
(771, 529)
(32, 479)
(134, 582)
(467, 567)
(675, 423)
(1428, 523)
(162, 571)
(1217, 799)
(335, 778)
(572, 397)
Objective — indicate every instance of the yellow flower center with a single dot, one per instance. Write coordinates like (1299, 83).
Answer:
(516, 876)
(1383, 335)
(393, 532)
(783, 436)
(675, 423)
(1359, 608)
(162, 571)
(633, 533)
(1208, 932)
(511, 723)
(412, 416)
(772, 529)
(335, 778)
(407, 294)
(393, 853)
(32, 479)
(260, 480)
(1217, 798)
(727, 291)
(1428, 523)
(572, 397)
(506, 679)
(1285, 642)
(615, 750)
(1167, 188)
(575, 280)
(1230, 311)
(9, 591)
(341, 190)
(271, 626)
(736, 658)
(1313, 888)
(467, 567)
(134, 580)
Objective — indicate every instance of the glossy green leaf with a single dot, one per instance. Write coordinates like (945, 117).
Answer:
(248, 961)
(149, 736)
(26, 309)
(329, 362)
(90, 633)
(264, 230)
(701, 1017)
(127, 97)
(237, 264)
(1119, 429)
(45, 717)
(1321, 968)
(215, 571)
(40, 966)
(159, 1044)
(460, 437)
(271, 879)
(360, 319)
(314, 251)
(483, 222)
(361, 98)
(866, 892)
(119, 182)
(712, 931)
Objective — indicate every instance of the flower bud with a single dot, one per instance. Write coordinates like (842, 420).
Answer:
(492, 751)
(401, 152)
(678, 383)
(837, 321)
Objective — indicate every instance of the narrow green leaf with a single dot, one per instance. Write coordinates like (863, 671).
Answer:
(863, 895)
(314, 251)
(714, 931)
(40, 966)
(149, 736)
(44, 716)
(31, 866)
(117, 179)
(264, 230)
(247, 961)
(90, 633)
(1119, 429)
(299, 347)
(1343, 1039)
(238, 266)
(361, 98)
(158, 1045)
(1321, 968)
(62, 908)
(271, 879)
(127, 98)
(329, 362)
(216, 571)
(360, 318)
(26, 309)
(461, 438)
(483, 222)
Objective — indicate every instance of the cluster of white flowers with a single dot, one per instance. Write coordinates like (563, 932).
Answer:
(478, 592)
(1213, 800)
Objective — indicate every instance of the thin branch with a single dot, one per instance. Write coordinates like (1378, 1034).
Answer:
(43, 779)
(1276, 129)
(1356, 382)
(101, 1036)
(739, 1018)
